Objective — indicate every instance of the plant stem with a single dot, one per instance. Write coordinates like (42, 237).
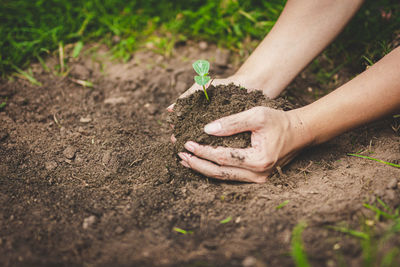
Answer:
(205, 92)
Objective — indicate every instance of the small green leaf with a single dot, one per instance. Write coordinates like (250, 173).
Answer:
(201, 67)
(226, 220)
(77, 49)
(202, 80)
(3, 104)
(179, 230)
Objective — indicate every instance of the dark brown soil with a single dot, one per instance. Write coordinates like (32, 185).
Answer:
(191, 114)
(88, 175)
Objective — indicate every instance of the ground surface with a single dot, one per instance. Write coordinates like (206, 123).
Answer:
(88, 176)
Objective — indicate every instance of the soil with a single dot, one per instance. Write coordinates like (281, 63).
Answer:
(88, 175)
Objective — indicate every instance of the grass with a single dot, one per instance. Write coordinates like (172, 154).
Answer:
(378, 238)
(29, 30)
(182, 231)
(298, 254)
(226, 220)
(378, 247)
(283, 204)
(374, 159)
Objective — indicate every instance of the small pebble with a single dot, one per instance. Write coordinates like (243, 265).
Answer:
(203, 45)
(85, 119)
(249, 261)
(119, 230)
(89, 221)
(69, 152)
(50, 165)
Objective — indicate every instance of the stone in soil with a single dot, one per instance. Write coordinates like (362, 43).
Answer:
(69, 152)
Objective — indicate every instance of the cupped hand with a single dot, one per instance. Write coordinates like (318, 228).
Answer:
(276, 138)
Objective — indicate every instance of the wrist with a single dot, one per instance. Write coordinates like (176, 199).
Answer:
(303, 132)
(254, 80)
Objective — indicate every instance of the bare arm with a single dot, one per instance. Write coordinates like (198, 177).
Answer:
(302, 31)
(371, 95)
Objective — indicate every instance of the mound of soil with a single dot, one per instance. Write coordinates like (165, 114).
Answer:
(192, 113)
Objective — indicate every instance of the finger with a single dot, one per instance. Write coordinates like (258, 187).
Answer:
(249, 120)
(171, 108)
(173, 139)
(212, 170)
(247, 158)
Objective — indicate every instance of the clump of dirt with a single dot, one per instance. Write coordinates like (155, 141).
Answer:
(195, 111)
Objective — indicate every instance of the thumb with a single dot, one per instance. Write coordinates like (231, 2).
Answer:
(249, 120)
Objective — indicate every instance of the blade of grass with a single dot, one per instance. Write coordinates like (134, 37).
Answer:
(82, 82)
(61, 55)
(298, 254)
(378, 212)
(283, 204)
(77, 49)
(27, 76)
(226, 220)
(378, 160)
(179, 230)
(3, 104)
(44, 66)
(351, 232)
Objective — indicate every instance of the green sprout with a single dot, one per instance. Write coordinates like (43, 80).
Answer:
(202, 67)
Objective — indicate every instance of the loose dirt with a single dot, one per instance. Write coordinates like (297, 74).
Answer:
(88, 175)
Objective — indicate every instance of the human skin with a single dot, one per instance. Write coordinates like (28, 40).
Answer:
(303, 30)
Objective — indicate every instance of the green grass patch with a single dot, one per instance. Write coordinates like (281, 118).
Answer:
(377, 246)
(30, 29)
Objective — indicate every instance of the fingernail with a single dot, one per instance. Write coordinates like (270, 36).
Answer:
(191, 146)
(184, 156)
(212, 128)
(185, 164)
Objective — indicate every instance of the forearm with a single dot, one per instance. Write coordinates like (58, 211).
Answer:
(303, 30)
(373, 94)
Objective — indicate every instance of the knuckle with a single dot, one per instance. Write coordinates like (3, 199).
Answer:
(221, 175)
(261, 115)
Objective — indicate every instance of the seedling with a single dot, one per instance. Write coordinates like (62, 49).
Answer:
(202, 67)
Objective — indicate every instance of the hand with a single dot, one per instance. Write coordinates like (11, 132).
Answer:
(277, 137)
